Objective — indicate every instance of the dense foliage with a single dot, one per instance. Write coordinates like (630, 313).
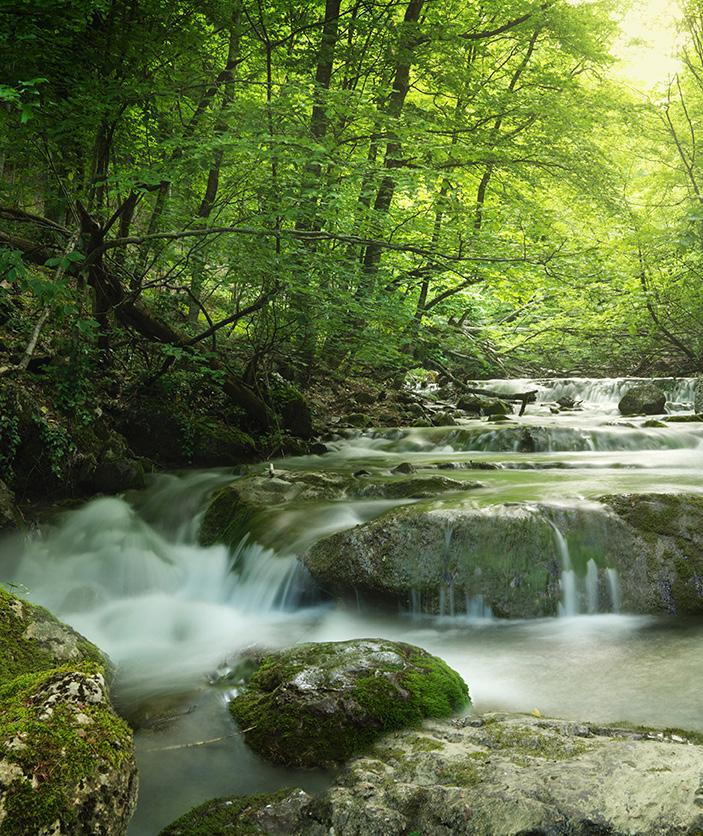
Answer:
(240, 190)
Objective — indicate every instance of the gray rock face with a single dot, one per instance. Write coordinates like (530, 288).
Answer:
(517, 775)
(698, 395)
(509, 555)
(643, 399)
(9, 515)
(319, 704)
(31, 639)
(496, 775)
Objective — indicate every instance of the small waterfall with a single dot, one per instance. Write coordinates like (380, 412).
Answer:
(569, 596)
(581, 595)
(166, 610)
(477, 608)
(613, 584)
(592, 587)
(266, 581)
(601, 391)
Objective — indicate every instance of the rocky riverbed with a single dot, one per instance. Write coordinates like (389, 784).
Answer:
(552, 560)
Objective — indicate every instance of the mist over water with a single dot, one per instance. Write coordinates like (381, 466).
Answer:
(173, 615)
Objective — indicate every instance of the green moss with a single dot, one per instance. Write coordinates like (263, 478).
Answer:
(227, 518)
(421, 743)
(224, 815)
(55, 753)
(20, 654)
(465, 772)
(523, 743)
(280, 722)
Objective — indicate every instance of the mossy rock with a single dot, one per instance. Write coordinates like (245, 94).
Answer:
(416, 487)
(245, 815)
(214, 444)
(32, 640)
(238, 508)
(356, 419)
(66, 759)
(319, 704)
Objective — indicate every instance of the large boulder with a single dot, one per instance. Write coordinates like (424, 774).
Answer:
(698, 395)
(319, 704)
(66, 759)
(494, 774)
(640, 552)
(643, 399)
(428, 556)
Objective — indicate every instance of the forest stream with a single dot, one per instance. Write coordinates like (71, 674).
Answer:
(174, 616)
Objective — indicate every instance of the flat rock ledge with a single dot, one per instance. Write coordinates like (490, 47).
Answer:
(490, 775)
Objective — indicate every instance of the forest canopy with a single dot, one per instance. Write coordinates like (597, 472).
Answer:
(250, 187)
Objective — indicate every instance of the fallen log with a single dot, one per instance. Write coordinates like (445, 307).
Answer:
(522, 398)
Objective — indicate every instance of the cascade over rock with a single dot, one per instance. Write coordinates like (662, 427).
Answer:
(439, 558)
(238, 508)
(487, 775)
(318, 704)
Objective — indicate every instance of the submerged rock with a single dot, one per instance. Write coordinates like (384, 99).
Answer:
(66, 759)
(240, 507)
(482, 776)
(417, 487)
(319, 704)
(643, 399)
(695, 418)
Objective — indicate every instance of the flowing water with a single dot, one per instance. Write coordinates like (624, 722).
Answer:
(175, 617)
